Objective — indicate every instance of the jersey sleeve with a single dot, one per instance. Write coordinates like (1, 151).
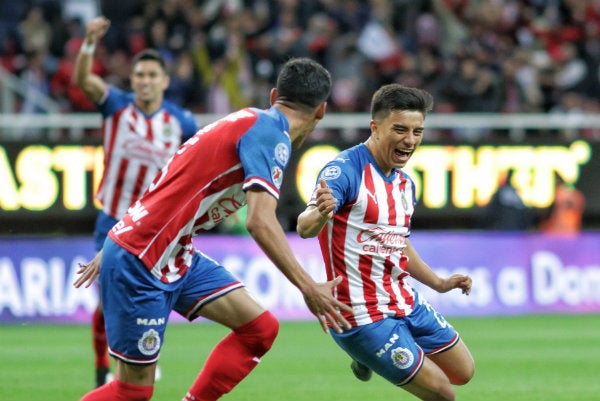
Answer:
(264, 152)
(342, 176)
(114, 101)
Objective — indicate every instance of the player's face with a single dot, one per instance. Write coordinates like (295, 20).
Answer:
(148, 81)
(394, 139)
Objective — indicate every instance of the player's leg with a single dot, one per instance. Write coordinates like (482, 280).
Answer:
(430, 383)
(99, 342)
(218, 296)
(457, 363)
(100, 345)
(136, 311)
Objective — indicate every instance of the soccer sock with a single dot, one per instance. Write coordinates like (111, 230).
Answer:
(233, 358)
(120, 391)
(99, 340)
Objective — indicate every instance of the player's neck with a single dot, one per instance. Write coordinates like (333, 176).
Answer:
(148, 107)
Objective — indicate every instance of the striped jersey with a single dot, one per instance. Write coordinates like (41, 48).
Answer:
(365, 239)
(202, 184)
(136, 147)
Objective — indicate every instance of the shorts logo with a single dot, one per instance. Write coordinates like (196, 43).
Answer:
(282, 153)
(402, 358)
(331, 172)
(149, 344)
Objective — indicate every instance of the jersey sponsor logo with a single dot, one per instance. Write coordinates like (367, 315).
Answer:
(277, 176)
(402, 358)
(282, 153)
(389, 344)
(145, 151)
(149, 343)
(121, 228)
(142, 321)
(137, 211)
(380, 235)
(331, 172)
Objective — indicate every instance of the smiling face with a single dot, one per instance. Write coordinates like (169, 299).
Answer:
(148, 81)
(394, 138)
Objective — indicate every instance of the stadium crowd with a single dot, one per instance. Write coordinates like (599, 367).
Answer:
(472, 55)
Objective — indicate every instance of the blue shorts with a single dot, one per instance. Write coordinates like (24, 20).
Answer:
(137, 305)
(395, 348)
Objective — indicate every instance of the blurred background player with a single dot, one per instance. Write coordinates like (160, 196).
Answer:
(361, 212)
(150, 265)
(141, 131)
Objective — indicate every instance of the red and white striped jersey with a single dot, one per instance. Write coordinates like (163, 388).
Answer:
(136, 147)
(364, 241)
(202, 184)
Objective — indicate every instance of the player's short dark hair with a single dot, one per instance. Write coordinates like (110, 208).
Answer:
(150, 55)
(303, 82)
(399, 97)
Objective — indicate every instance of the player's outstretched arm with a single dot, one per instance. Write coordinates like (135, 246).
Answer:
(88, 272)
(91, 84)
(264, 227)
(419, 270)
(312, 220)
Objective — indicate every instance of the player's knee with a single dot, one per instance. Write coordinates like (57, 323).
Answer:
(260, 333)
(463, 376)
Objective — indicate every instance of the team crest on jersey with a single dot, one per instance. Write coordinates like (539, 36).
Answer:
(149, 344)
(282, 153)
(404, 201)
(277, 176)
(331, 172)
(402, 358)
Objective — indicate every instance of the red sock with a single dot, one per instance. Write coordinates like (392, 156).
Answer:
(119, 391)
(99, 340)
(233, 358)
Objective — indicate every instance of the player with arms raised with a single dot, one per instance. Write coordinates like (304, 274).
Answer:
(141, 131)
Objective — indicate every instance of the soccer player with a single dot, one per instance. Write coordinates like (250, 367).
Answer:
(149, 265)
(361, 211)
(141, 131)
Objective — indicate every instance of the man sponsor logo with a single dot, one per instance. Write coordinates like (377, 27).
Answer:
(387, 345)
(141, 321)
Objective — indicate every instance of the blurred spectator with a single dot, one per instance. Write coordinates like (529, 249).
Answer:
(506, 210)
(566, 211)
(473, 56)
(62, 85)
(35, 31)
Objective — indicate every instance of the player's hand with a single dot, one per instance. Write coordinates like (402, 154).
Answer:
(96, 29)
(461, 281)
(325, 307)
(88, 272)
(325, 201)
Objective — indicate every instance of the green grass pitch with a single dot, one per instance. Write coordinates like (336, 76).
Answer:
(528, 358)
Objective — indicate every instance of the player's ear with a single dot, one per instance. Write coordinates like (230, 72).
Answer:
(273, 96)
(320, 113)
(166, 82)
